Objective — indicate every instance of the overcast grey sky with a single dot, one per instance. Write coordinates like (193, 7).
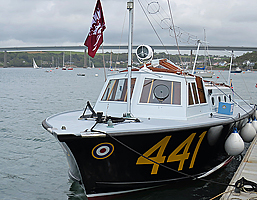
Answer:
(67, 22)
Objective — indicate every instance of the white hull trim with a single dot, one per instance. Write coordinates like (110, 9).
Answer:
(120, 192)
(223, 164)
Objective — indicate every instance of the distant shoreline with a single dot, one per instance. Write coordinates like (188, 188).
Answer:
(106, 68)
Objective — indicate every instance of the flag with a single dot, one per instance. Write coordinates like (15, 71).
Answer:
(95, 35)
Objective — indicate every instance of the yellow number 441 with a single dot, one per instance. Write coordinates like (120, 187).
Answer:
(174, 156)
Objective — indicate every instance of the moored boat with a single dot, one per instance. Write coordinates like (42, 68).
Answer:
(204, 74)
(175, 115)
(237, 70)
(150, 126)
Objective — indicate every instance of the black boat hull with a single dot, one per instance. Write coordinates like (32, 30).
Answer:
(109, 165)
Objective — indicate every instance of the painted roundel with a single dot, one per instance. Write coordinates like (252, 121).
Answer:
(103, 150)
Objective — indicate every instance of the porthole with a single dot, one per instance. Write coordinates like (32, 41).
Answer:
(213, 101)
(161, 92)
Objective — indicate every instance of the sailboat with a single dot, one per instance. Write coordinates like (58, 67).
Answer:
(35, 64)
(202, 71)
(70, 67)
(150, 126)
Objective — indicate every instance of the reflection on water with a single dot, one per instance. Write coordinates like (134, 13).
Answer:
(76, 192)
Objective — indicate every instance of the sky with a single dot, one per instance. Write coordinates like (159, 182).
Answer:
(67, 22)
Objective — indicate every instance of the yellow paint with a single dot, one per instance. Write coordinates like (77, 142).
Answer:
(111, 90)
(150, 91)
(171, 93)
(174, 156)
(159, 158)
(197, 148)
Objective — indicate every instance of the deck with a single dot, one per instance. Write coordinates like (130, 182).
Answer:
(248, 170)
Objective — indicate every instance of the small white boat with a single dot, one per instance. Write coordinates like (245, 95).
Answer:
(35, 64)
(237, 70)
(205, 74)
(81, 74)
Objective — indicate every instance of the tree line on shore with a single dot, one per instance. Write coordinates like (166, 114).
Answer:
(118, 60)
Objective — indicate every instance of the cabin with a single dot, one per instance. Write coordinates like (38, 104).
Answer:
(168, 94)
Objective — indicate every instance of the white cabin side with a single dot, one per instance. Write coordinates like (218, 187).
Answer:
(156, 95)
(197, 100)
(218, 93)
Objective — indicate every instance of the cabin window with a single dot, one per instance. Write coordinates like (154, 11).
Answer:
(192, 94)
(229, 97)
(219, 98)
(225, 98)
(190, 97)
(195, 93)
(116, 90)
(200, 89)
(161, 91)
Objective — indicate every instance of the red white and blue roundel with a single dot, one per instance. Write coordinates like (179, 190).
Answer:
(103, 150)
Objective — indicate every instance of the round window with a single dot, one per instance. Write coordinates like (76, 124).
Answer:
(161, 92)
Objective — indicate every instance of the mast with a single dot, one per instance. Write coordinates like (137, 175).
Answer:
(130, 5)
(199, 43)
(205, 50)
(70, 58)
(230, 67)
(111, 60)
(62, 59)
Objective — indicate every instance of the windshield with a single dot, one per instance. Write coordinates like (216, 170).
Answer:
(161, 91)
(116, 90)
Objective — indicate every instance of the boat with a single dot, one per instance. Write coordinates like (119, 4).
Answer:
(202, 71)
(237, 70)
(150, 126)
(248, 70)
(81, 74)
(35, 64)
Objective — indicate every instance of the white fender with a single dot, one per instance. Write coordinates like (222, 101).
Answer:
(248, 132)
(234, 144)
(214, 134)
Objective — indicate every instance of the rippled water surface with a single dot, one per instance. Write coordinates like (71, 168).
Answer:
(32, 164)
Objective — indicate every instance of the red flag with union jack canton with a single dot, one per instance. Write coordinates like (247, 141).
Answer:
(95, 36)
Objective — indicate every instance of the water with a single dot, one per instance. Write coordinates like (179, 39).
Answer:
(32, 164)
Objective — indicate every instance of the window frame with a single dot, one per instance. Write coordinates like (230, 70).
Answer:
(147, 95)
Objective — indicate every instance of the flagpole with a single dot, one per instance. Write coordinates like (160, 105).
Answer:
(130, 5)
(104, 63)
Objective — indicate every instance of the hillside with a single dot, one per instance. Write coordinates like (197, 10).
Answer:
(55, 59)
